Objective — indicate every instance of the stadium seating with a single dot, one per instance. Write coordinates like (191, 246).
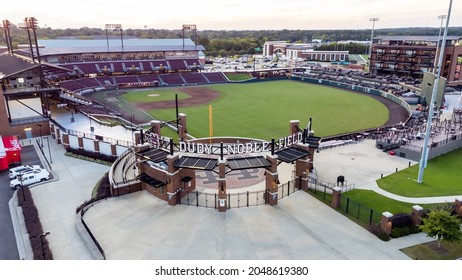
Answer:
(72, 85)
(194, 78)
(86, 68)
(148, 78)
(146, 66)
(127, 79)
(159, 63)
(193, 64)
(215, 77)
(118, 67)
(176, 64)
(172, 79)
(89, 82)
(106, 81)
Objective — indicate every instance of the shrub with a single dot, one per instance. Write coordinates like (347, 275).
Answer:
(100, 191)
(39, 244)
(405, 231)
(395, 233)
(383, 236)
(401, 220)
(93, 155)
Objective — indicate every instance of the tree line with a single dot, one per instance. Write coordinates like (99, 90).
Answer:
(237, 42)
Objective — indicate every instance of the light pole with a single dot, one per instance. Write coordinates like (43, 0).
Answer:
(442, 17)
(42, 243)
(40, 131)
(22, 187)
(372, 39)
(425, 148)
(49, 150)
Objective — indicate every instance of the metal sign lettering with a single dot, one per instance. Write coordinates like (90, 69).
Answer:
(228, 149)
(114, 26)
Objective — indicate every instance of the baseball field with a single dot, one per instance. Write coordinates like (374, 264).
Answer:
(258, 110)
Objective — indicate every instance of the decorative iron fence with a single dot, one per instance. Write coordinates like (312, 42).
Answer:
(363, 214)
(236, 200)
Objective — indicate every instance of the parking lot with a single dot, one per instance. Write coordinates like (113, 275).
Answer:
(8, 248)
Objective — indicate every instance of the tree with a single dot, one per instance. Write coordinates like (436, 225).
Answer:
(441, 224)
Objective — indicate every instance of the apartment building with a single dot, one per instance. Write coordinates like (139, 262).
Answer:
(414, 55)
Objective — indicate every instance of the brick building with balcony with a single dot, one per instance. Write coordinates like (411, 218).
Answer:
(412, 56)
(24, 104)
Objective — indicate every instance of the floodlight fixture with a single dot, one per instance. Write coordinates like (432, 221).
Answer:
(442, 18)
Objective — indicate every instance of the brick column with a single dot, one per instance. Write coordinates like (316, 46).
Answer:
(58, 136)
(182, 129)
(458, 206)
(65, 141)
(336, 197)
(222, 199)
(272, 179)
(113, 149)
(294, 127)
(417, 214)
(137, 137)
(385, 224)
(301, 169)
(96, 146)
(155, 127)
(52, 130)
(173, 180)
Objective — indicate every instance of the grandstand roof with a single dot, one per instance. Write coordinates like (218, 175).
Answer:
(10, 65)
(59, 47)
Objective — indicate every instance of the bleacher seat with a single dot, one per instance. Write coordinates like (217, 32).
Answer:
(194, 78)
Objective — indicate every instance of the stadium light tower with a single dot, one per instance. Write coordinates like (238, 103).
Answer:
(116, 27)
(425, 148)
(189, 27)
(442, 17)
(30, 23)
(372, 39)
(6, 30)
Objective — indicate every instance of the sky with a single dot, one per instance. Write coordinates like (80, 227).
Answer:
(234, 14)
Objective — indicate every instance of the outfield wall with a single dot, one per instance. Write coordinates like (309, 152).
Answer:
(356, 88)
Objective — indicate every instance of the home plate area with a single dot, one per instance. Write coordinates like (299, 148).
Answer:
(234, 180)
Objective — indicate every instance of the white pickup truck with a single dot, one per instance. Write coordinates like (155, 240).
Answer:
(28, 178)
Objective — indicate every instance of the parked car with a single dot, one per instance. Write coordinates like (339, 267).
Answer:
(29, 178)
(22, 169)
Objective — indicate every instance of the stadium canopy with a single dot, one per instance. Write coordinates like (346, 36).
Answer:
(291, 154)
(150, 181)
(313, 141)
(248, 163)
(196, 163)
(154, 155)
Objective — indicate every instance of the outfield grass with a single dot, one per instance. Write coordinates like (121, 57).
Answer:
(263, 110)
(442, 177)
(237, 76)
(153, 95)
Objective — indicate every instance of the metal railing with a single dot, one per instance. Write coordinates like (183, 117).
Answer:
(82, 213)
(361, 213)
(237, 200)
